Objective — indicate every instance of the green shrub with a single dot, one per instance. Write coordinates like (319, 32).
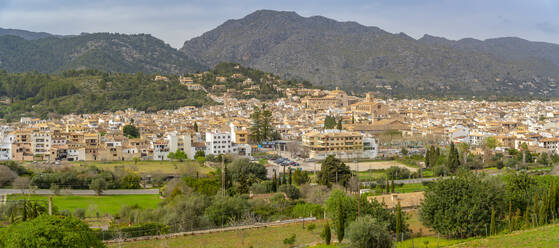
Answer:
(79, 213)
(291, 191)
(367, 232)
(49, 231)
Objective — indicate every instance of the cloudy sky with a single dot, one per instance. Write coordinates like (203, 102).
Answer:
(175, 21)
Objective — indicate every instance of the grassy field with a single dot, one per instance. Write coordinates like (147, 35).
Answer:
(148, 167)
(411, 187)
(260, 237)
(366, 175)
(546, 236)
(428, 242)
(93, 204)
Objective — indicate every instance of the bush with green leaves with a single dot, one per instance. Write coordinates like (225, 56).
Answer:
(49, 231)
(262, 188)
(79, 213)
(367, 232)
(226, 208)
(303, 209)
(131, 131)
(291, 191)
(461, 206)
(290, 241)
(244, 166)
(130, 181)
(98, 185)
(333, 170)
(373, 208)
(397, 172)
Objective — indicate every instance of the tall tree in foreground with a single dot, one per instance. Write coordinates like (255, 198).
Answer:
(340, 222)
(326, 234)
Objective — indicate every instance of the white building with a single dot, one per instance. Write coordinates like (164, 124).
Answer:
(41, 143)
(370, 147)
(182, 142)
(218, 143)
(6, 141)
(160, 150)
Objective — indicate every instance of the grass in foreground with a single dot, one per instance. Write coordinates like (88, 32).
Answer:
(93, 204)
(542, 237)
(260, 237)
(428, 242)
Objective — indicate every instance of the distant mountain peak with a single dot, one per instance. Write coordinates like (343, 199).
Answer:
(347, 54)
(27, 35)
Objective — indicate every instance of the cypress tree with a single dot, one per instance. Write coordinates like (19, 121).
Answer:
(510, 216)
(290, 177)
(275, 182)
(453, 158)
(526, 218)
(340, 225)
(326, 234)
(535, 215)
(387, 186)
(492, 230)
(282, 181)
(398, 220)
(517, 217)
(392, 187)
(428, 157)
(339, 125)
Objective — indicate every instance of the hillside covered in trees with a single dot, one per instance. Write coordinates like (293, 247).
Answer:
(93, 91)
(89, 91)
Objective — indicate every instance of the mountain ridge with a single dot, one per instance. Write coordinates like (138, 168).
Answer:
(357, 57)
(326, 52)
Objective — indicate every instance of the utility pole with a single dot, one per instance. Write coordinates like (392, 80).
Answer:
(222, 176)
(358, 189)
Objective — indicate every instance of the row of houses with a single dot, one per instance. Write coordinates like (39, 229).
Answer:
(48, 143)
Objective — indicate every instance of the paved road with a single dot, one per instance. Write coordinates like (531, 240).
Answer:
(83, 192)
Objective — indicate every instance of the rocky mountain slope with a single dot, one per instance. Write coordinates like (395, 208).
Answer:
(357, 57)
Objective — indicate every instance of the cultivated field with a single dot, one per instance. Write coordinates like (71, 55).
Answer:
(93, 204)
(261, 237)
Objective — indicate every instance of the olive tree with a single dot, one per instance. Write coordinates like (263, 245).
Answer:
(367, 232)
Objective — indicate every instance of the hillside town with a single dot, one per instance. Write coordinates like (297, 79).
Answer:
(367, 128)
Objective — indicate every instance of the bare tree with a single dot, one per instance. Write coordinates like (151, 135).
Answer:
(22, 183)
(6, 175)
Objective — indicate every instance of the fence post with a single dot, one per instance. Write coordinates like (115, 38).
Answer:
(50, 205)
